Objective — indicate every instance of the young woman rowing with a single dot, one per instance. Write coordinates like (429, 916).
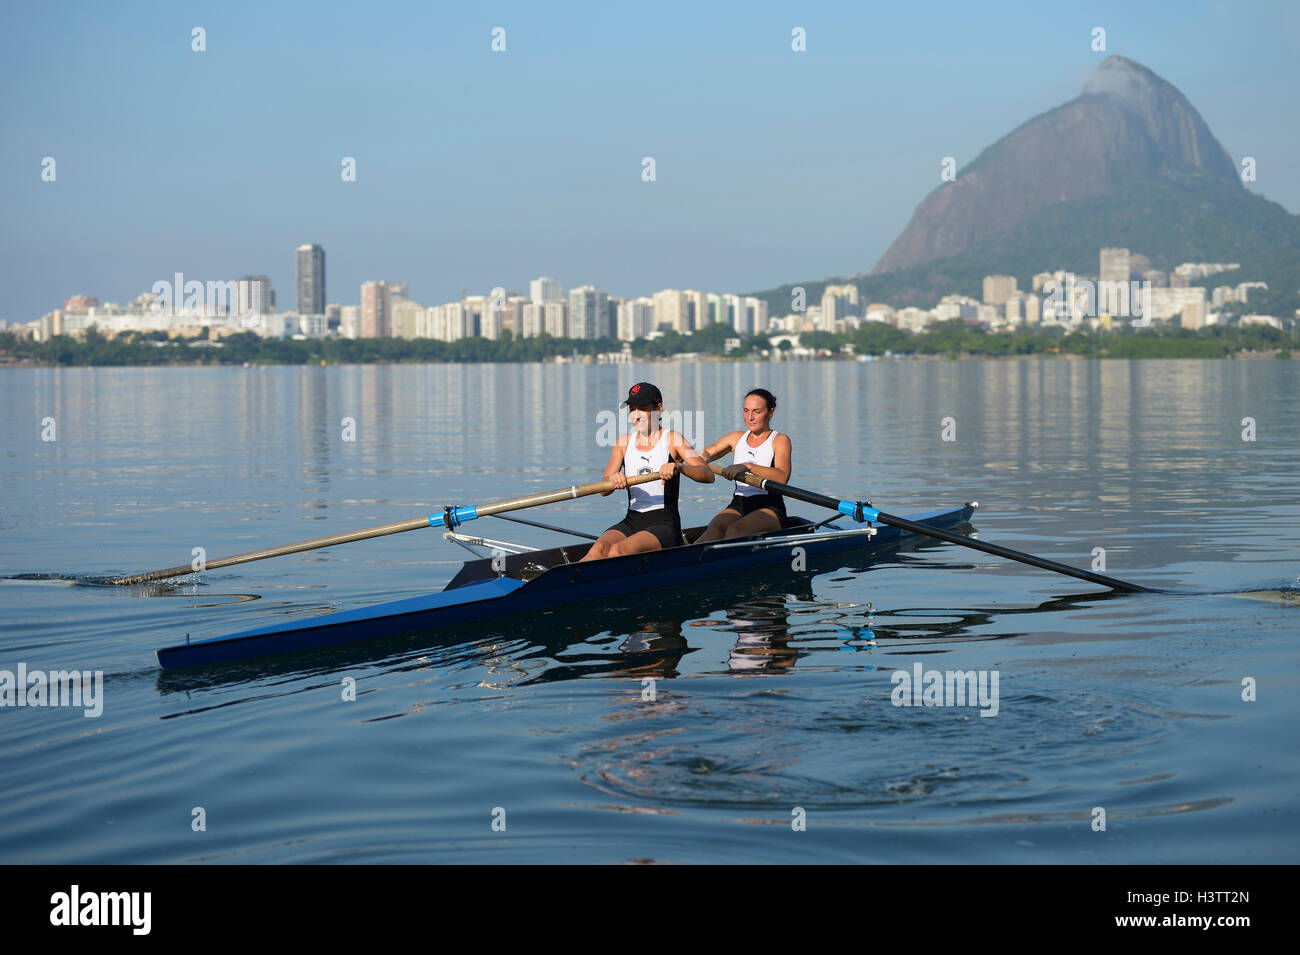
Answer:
(652, 519)
(758, 450)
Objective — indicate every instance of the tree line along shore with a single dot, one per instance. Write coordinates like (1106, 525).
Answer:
(951, 340)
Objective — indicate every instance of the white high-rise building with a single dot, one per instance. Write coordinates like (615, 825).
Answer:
(545, 290)
(406, 318)
(717, 308)
(1161, 304)
(350, 321)
(735, 306)
(534, 314)
(476, 306)
(636, 319)
(452, 322)
(671, 309)
(556, 320)
(757, 314)
(492, 319)
(512, 316)
(697, 304)
(588, 313)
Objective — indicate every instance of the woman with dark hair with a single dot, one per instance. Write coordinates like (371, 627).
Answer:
(652, 520)
(758, 450)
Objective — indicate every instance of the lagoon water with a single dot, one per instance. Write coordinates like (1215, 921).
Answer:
(772, 694)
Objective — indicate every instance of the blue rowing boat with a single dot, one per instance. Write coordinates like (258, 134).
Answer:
(530, 580)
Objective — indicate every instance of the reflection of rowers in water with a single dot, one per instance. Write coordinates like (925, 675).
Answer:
(762, 641)
(762, 638)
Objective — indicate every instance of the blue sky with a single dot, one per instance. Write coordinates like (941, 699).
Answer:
(479, 169)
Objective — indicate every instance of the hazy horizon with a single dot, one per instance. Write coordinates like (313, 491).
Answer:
(478, 168)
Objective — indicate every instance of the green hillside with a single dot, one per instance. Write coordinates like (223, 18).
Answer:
(1185, 216)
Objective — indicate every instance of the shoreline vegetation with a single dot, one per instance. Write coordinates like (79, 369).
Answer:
(946, 340)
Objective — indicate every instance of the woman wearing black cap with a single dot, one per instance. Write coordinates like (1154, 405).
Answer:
(758, 450)
(652, 519)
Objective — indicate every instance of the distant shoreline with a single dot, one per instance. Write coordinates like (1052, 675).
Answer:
(694, 360)
(869, 342)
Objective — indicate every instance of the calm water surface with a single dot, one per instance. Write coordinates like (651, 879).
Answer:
(774, 695)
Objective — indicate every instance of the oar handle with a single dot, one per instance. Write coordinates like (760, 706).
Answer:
(450, 515)
(862, 512)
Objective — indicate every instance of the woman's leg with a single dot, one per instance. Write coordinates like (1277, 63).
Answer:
(638, 542)
(604, 545)
(755, 522)
(717, 528)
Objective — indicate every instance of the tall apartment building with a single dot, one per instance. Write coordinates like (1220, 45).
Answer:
(555, 321)
(492, 318)
(1115, 265)
(849, 296)
(309, 275)
(1033, 310)
(407, 318)
(716, 311)
(350, 321)
(1193, 315)
(1014, 306)
(254, 296)
(545, 289)
(739, 315)
(512, 315)
(446, 322)
(636, 319)
(588, 313)
(1161, 304)
(757, 309)
(697, 307)
(833, 308)
(998, 288)
(376, 310)
(671, 309)
(534, 314)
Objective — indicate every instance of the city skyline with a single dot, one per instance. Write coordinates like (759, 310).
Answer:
(466, 172)
(1127, 290)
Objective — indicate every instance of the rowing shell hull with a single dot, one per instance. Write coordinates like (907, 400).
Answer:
(477, 594)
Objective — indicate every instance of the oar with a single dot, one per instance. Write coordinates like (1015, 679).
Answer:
(861, 512)
(449, 518)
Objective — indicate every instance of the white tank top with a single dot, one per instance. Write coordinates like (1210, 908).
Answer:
(763, 456)
(648, 496)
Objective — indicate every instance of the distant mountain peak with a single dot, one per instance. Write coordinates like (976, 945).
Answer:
(1120, 76)
(1128, 122)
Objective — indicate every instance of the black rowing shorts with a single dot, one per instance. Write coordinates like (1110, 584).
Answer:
(749, 503)
(660, 522)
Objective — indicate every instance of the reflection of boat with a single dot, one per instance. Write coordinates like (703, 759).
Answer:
(533, 580)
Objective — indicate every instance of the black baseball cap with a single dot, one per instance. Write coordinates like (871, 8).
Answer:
(643, 393)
